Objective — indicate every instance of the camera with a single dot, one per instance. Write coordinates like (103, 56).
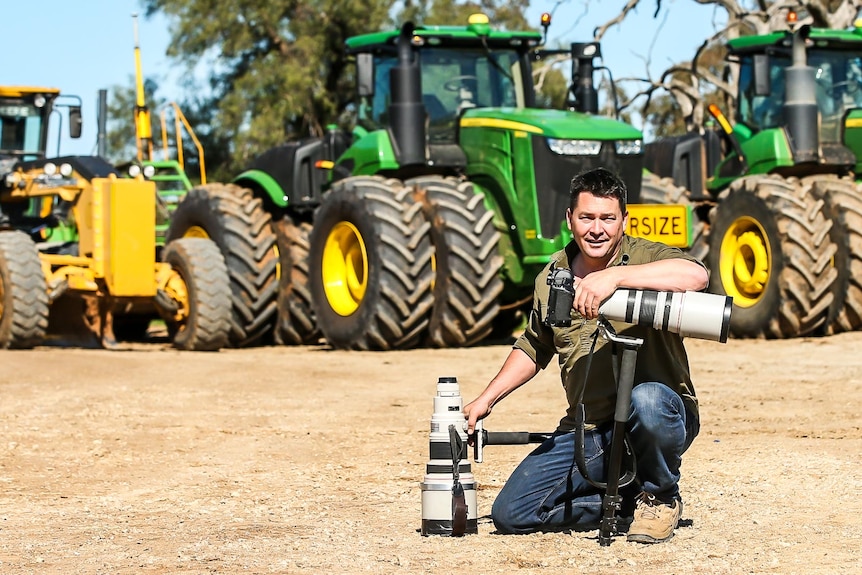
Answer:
(561, 297)
(690, 314)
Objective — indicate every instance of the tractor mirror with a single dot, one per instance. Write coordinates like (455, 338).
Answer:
(75, 121)
(762, 85)
(365, 74)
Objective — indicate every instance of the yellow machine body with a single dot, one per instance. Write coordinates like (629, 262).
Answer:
(119, 235)
(115, 218)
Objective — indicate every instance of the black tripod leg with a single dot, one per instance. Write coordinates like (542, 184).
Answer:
(612, 500)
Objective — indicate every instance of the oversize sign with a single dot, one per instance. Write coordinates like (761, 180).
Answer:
(669, 223)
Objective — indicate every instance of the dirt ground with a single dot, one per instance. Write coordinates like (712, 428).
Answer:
(308, 460)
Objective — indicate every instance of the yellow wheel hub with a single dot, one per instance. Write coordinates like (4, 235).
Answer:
(745, 261)
(345, 268)
(196, 232)
(178, 291)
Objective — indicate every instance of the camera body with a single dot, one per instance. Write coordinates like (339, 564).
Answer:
(561, 297)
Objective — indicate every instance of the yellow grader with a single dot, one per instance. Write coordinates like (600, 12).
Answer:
(77, 245)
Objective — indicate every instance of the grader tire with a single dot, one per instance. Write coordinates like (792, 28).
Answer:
(207, 319)
(235, 220)
(467, 281)
(23, 293)
(370, 249)
(655, 190)
(770, 249)
(296, 324)
(844, 201)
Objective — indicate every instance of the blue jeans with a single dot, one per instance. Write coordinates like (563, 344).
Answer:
(546, 492)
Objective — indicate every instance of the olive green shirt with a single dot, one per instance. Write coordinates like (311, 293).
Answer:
(661, 358)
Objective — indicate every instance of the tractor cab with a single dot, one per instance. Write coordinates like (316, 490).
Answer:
(833, 76)
(420, 82)
(456, 76)
(24, 113)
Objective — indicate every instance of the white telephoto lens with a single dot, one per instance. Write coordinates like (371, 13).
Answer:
(690, 314)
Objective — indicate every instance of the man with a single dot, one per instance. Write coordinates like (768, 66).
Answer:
(546, 491)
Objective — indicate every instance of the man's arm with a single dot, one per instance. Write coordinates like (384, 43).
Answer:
(674, 274)
(518, 369)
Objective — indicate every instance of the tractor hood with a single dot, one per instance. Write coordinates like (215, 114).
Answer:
(550, 123)
(821, 38)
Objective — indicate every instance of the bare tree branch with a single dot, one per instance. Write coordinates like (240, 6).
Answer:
(688, 80)
(599, 31)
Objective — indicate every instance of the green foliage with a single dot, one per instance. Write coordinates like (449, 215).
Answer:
(665, 117)
(275, 68)
(503, 15)
(554, 90)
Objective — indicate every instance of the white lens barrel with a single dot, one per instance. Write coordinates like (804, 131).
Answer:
(439, 477)
(690, 314)
(437, 504)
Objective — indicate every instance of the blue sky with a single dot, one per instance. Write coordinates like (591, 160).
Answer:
(82, 46)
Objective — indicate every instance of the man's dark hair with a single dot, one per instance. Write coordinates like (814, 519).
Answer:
(598, 182)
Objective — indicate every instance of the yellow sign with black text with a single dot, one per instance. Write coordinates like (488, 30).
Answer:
(666, 223)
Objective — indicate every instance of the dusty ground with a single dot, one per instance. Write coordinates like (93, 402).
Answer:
(289, 460)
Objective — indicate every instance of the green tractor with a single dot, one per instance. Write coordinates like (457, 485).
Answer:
(428, 222)
(778, 187)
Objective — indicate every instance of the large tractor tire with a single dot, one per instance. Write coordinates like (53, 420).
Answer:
(235, 220)
(770, 249)
(296, 324)
(23, 293)
(467, 263)
(656, 190)
(371, 256)
(199, 289)
(844, 200)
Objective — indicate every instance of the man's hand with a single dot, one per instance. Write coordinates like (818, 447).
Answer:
(474, 411)
(593, 289)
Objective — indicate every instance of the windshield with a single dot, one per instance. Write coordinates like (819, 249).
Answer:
(453, 80)
(20, 129)
(838, 88)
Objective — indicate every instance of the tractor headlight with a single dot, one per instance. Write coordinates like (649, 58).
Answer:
(134, 170)
(629, 147)
(65, 170)
(575, 147)
(50, 168)
(149, 171)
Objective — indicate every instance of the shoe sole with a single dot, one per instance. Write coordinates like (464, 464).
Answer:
(648, 539)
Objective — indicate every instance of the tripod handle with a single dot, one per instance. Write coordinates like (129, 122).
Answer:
(483, 437)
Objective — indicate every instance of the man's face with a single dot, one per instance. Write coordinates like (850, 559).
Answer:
(597, 225)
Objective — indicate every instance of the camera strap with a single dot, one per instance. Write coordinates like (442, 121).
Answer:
(459, 501)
